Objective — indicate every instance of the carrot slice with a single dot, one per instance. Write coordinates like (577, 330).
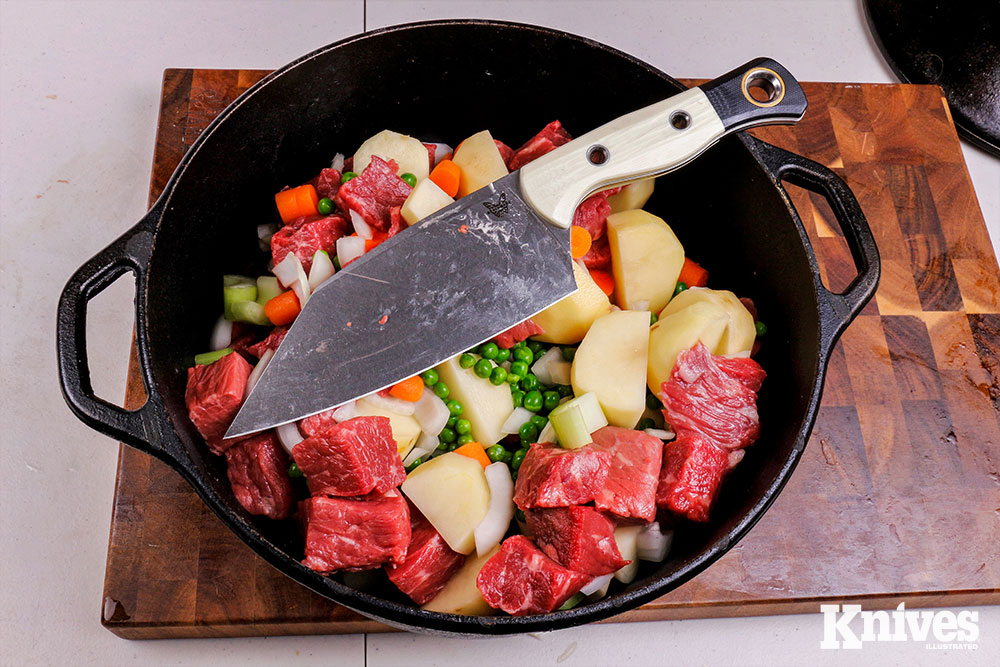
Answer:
(604, 280)
(446, 175)
(579, 241)
(282, 309)
(474, 451)
(692, 274)
(410, 389)
(297, 202)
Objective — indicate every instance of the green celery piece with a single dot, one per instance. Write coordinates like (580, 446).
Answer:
(572, 602)
(575, 420)
(234, 290)
(268, 287)
(250, 311)
(206, 358)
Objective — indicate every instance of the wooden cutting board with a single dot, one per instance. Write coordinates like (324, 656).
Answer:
(897, 497)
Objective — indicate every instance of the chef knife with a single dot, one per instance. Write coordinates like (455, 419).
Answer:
(495, 257)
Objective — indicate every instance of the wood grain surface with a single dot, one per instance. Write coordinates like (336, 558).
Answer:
(896, 499)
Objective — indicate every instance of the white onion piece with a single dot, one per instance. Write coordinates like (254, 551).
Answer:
(287, 270)
(597, 583)
(652, 544)
(548, 434)
(431, 413)
(500, 509)
(660, 433)
(338, 162)
(321, 270)
(426, 444)
(301, 289)
(349, 248)
(222, 334)
(289, 436)
(390, 403)
(265, 232)
(345, 412)
(516, 420)
(440, 150)
(258, 370)
(551, 368)
(363, 229)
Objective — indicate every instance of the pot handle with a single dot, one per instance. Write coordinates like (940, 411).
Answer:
(139, 428)
(837, 309)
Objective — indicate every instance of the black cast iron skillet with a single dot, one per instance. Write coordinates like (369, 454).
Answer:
(444, 81)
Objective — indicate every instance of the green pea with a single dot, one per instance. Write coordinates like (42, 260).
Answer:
(518, 397)
(410, 179)
(507, 457)
(464, 439)
(488, 350)
(294, 471)
(513, 476)
(452, 446)
(452, 421)
(524, 354)
(463, 426)
(496, 453)
(533, 401)
(412, 466)
(550, 400)
(455, 408)
(528, 431)
(336, 263)
(466, 360)
(498, 376)
(348, 175)
(529, 382)
(539, 422)
(645, 423)
(519, 367)
(502, 355)
(442, 446)
(325, 206)
(517, 345)
(513, 379)
(564, 390)
(518, 458)
(652, 402)
(679, 288)
(441, 390)
(430, 377)
(535, 347)
(483, 368)
(568, 353)
(652, 319)
(447, 435)
(519, 514)
(761, 328)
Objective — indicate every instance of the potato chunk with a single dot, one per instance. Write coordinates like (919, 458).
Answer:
(480, 161)
(672, 334)
(426, 198)
(409, 153)
(461, 595)
(568, 320)
(451, 491)
(646, 259)
(611, 362)
(740, 332)
(487, 406)
(633, 195)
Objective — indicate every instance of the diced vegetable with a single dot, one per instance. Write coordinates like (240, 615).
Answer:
(633, 195)
(321, 269)
(408, 178)
(500, 510)
(250, 312)
(452, 493)
(552, 368)
(461, 594)
(282, 309)
(361, 228)
(268, 287)
(627, 539)
(258, 370)
(447, 175)
(236, 289)
(289, 436)
(576, 419)
(410, 389)
(660, 433)
(604, 280)
(338, 162)
(518, 418)
(349, 248)
(572, 602)
(652, 544)
(475, 451)
(346, 411)
(480, 161)
(692, 274)
(425, 199)
(426, 444)
(431, 413)
(391, 403)
(672, 334)
(441, 152)
(222, 333)
(646, 258)
(580, 241)
(740, 330)
(409, 153)
(487, 406)
(548, 434)
(264, 234)
(567, 321)
(405, 429)
(206, 358)
(611, 362)
(296, 202)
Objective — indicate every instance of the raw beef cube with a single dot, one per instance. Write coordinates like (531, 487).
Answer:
(327, 183)
(429, 562)
(592, 214)
(431, 150)
(689, 480)
(520, 579)
(551, 476)
(320, 421)
(352, 458)
(396, 221)
(213, 397)
(551, 136)
(306, 237)
(506, 152)
(517, 333)
(713, 397)
(258, 472)
(355, 533)
(272, 342)
(749, 305)
(578, 538)
(630, 489)
(599, 255)
(374, 192)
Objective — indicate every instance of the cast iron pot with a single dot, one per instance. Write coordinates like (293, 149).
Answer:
(444, 81)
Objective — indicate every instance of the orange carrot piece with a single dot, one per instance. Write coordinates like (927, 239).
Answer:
(446, 175)
(474, 451)
(692, 274)
(297, 202)
(410, 389)
(282, 309)
(579, 241)
(604, 280)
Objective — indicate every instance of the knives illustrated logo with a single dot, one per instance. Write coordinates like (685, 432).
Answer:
(499, 209)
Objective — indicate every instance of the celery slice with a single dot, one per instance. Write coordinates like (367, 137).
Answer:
(572, 602)
(249, 311)
(268, 287)
(206, 358)
(576, 419)
(236, 289)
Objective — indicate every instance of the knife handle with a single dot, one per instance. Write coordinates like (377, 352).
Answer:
(661, 137)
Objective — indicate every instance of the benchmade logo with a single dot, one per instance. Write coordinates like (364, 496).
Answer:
(846, 626)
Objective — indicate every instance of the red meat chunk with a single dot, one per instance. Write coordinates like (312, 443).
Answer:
(551, 136)
(517, 333)
(551, 476)
(352, 458)
(374, 192)
(258, 472)
(396, 221)
(213, 397)
(429, 562)
(318, 422)
(630, 489)
(578, 538)
(599, 255)
(506, 152)
(431, 150)
(327, 183)
(693, 468)
(713, 397)
(304, 237)
(355, 533)
(592, 214)
(272, 342)
(520, 579)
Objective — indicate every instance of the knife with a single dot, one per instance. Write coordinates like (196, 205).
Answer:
(495, 257)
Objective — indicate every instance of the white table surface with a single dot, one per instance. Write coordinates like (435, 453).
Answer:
(79, 94)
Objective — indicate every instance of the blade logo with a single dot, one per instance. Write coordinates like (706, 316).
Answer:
(938, 629)
(500, 208)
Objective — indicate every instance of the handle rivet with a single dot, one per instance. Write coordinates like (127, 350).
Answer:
(680, 120)
(598, 154)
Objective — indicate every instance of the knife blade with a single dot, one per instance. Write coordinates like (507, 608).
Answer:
(495, 257)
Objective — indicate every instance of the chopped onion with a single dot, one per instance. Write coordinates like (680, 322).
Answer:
(426, 444)
(626, 537)
(551, 368)
(597, 583)
(258, 370)
(548, 434)
(440, 150)
(363, 229)
(265, 232)
(345, 412)
(349, 248)
(289, 436)
(338, 162)
(500, 510)
(660, 433)
(301, 289)
(431, 413)
(516, 420)
(322, 269)
(652, 544)
(287, 270)
(222, 334)
(390, 403)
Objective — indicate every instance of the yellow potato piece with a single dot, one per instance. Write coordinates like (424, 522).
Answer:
(451, 492)
(487, 406)
(480, 162)
(646, 259)
(461, 595)
(633, 195)
(424, 199)
(672, 334)
(611, 362)
(409, 153)
(567, 321)
(740, 332)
